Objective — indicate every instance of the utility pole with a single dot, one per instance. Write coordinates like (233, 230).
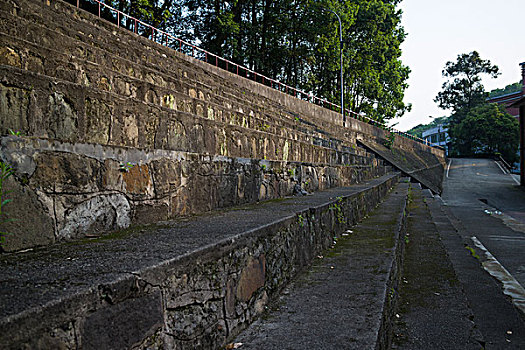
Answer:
(341, 54)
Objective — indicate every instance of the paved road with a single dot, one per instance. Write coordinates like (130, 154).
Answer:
(477, 190)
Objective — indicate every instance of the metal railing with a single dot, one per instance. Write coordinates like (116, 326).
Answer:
(161, 37)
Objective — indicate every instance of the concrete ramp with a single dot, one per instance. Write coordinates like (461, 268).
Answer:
(420, 165)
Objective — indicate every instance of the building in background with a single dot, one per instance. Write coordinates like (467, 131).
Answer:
(438, 135)
(509, 100)
(519, 104)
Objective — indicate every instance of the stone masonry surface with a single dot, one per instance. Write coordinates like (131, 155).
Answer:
(118, 130)
(346, 299)
(192, 283)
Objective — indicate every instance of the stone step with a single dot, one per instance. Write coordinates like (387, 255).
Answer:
(86, 38)
(165, 129)
(100, 57)
(191, 283)
(262, 124)
(346, 299)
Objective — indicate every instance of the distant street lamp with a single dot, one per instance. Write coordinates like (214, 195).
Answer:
(341, 52)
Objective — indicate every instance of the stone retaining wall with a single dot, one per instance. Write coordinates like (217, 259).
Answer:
(197, 301)
(95, 97)
(86, 189)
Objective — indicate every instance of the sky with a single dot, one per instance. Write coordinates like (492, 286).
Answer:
(439, 30)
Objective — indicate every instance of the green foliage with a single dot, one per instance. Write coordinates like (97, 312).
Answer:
(338, 209)
(516, 87)
(487, 129)
(5, 172)
(472, 252)
(125, 167)
(463, 90)
(474, 126)
(301, 220)
(390, 139)
(15, 133)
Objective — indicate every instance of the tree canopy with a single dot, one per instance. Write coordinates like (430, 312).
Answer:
(488, 129)
(516, 87)
(297, 42)
(475, 126)
(463, 90)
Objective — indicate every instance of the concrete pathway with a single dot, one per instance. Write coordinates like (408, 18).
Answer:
(433, 310)
(345, 300)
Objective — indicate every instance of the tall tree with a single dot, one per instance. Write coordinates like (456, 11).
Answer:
(462, 93)
(463, 90)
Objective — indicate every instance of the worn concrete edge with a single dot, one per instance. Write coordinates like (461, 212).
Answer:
(385, 334)
(415, 174)
(100, 152)
(65, 308)
(511, 287)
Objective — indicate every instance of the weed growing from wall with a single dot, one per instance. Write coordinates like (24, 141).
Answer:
(125, 167)
(390, 139)
(338, 209)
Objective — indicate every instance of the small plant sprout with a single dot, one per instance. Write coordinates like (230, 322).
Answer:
(338, 209)
(125, 167)
(15, 133)
(301, 220)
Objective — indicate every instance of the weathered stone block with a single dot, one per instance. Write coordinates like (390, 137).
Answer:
(252, 278)
(167, 176)
(14, 108)
(66, 172)
(9, 57)
(98, 121)
(123, 325)
(63, 122)
(138, 181)
(33, 224)
(95, 215)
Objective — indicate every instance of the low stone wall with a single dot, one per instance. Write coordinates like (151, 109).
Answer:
(74, 190)
(195, 301)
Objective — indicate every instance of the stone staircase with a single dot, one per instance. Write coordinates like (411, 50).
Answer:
(122, 135)
(87, 60)
(185, 284)
(80, 90)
